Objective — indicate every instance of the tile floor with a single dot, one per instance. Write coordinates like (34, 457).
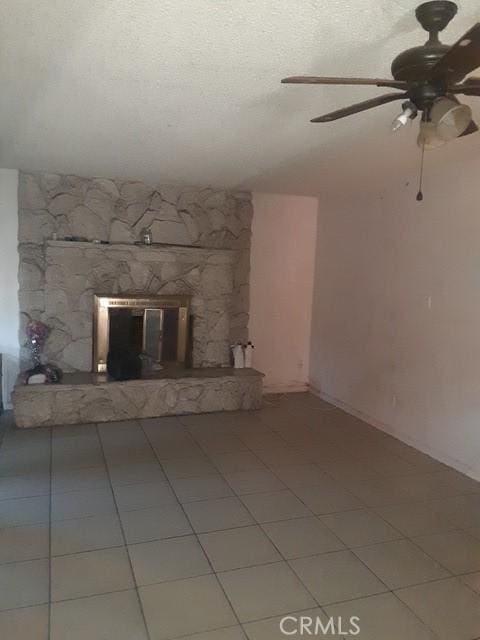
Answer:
(214, 527)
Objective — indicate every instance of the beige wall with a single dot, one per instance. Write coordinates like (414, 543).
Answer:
(8, 280)
(281, 284)
(396, 320)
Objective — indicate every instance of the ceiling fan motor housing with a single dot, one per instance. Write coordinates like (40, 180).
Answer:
(414, 64)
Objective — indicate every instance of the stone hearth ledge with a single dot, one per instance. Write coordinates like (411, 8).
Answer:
(86, 398)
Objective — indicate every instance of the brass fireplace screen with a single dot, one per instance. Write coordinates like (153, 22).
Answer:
(156, 326)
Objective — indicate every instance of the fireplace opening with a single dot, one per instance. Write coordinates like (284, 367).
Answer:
(134, 332)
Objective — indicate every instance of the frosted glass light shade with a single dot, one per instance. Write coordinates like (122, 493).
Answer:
(450, 118)
(428, 135)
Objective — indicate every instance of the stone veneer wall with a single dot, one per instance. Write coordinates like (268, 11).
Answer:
(76, 270)
(116, 211)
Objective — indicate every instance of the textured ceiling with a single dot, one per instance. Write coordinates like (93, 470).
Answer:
(189, 90)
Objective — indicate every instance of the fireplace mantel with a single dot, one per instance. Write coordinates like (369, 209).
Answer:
(153, 250)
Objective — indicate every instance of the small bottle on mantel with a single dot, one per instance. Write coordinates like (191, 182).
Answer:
(146, 235)
(238, 357)
(249, 354)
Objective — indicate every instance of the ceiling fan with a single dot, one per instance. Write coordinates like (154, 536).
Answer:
(427, 78)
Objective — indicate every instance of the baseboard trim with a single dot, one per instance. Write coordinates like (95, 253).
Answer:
(292, 387)
(398, 434)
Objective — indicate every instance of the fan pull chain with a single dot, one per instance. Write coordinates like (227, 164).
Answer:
(420, 193)
(420, 182)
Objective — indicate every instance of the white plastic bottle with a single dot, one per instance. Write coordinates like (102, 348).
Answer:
(249, 354)
(238, 357)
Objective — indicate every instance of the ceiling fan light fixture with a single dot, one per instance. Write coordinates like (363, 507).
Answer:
(450, 118)
(409, 112)
(428, 137)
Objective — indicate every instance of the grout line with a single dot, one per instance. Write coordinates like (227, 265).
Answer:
(124, 538)
(195, 533)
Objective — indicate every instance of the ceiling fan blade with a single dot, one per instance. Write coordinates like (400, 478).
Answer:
(376, 82)
(360, 106)
(462, 58)
(472, 128)
(469, 87)
(466, 90)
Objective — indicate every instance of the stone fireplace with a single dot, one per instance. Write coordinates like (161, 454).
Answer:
(80, 258)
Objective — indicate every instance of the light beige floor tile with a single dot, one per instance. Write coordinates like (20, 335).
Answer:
(390, 465)
(265, 590)
(135, 473)
(276, 505)
(130, 453)
(182, 607)
(379, 492)
(167, 451)
(86, 534)
(80, 480)
(211, 515)
(302, 537)
(236, 461)
(77, 458)
(28, 623)
(327, 498)
(75, 431)
(72, 446)
(472, 580)
(24, 543)
(415, 519)
(463, 511)
(151, 426)
(140, 496)
(90, 573)
(201, 420)
(20, 511)
(448, 607)
(171, 559)
(300, 475)
(235, 548)
(155, 523)
(300, 624)
(381, 617)
(112, 616)
(457, 551)
(254, 481)
(23, 584)
(360, 527)
(117, 428)
(400, 563)
(337, 576)
(220, 443)
(202, 488)
(280, 457)
(81, 504)
(452, 479)
(261, 440)
(29, 485)
(25, 460)
(232, 633)
(188, 467)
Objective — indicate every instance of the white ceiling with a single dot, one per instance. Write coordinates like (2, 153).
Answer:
(189, 90)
